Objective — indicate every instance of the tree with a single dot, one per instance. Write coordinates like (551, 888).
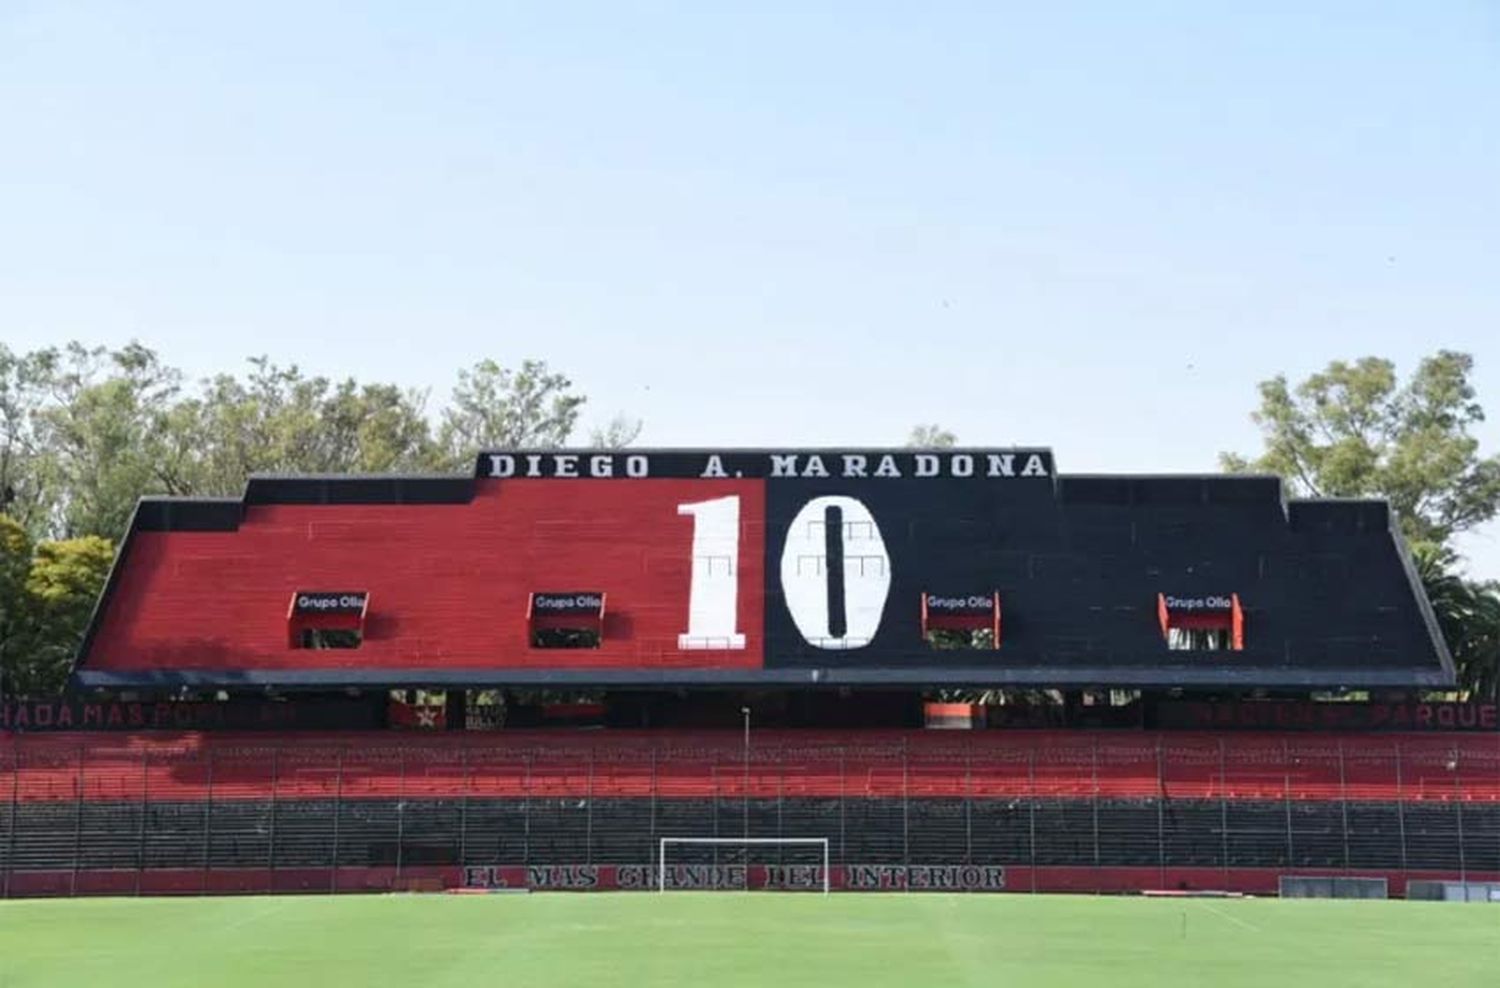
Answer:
(15, 563)
(374, 428)
(65, 581)
(617, 433)
(25, 383)
(47, 593)
(496, 408)
(99, 433)
(276, 420)
(1469, 615)
(931, 437)
(1354, 430)
(85, 432)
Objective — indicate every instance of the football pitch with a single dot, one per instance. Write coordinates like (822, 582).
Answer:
(728, 939)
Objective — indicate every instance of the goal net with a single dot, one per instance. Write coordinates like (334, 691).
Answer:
(781, 863)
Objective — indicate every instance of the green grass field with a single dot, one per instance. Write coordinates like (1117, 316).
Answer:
(726, 939)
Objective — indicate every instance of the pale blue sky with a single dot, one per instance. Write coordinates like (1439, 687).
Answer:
(1092, 226)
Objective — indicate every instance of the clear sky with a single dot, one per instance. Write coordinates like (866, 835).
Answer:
(1091, 226)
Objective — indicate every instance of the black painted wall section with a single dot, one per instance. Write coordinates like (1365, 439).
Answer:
(1079, 567)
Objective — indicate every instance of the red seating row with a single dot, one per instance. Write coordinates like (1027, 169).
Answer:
(994, 764)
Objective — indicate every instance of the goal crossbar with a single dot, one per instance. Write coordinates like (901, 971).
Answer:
(661, 870)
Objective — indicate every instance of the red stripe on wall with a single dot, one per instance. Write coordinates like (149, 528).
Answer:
(979, 764)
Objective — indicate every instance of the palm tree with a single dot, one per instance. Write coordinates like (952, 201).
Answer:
(1469, 615)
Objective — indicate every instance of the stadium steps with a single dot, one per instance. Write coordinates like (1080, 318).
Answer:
(984, 764)
(113, 805)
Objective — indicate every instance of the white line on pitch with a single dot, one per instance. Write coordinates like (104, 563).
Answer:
(259, 914)
(1229, 916)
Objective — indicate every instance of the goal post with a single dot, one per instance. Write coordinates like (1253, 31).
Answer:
(666, 842)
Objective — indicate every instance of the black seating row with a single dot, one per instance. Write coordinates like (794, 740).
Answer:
(316, 833)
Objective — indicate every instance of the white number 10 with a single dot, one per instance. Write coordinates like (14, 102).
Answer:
(835, 574)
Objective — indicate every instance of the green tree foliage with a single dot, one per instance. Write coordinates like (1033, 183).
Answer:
(617, 433)
(1355, 430)
(931, 436)
(24, 389)
(496, 408)
(97, 435)
(278, 420)
(47, 593)
(1469, 615)
(15, 564)
(65, 581)
(85, 432)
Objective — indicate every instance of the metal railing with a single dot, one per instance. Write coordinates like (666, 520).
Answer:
(76, 811)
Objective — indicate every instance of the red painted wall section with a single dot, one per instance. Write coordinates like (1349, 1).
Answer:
(449, 583)
(790, 764)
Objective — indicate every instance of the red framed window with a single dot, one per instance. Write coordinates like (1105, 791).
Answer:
(1201, 622)
(565, 618)
(327, 618)
(958, 621)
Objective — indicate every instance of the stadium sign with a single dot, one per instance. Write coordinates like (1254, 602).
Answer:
(961, 605)
(927, 878)
(1301, 715)
(568, 603)
(807, 877)
(1189, 605)
(329, 602)
(324, 713)
(803, 464)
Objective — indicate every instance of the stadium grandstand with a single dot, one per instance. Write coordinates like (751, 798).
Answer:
(794, 669)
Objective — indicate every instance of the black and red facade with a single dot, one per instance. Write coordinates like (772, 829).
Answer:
(808, 568)
(760, 612)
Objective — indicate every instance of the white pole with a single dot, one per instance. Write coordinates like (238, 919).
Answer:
(661, 868)
(745, 798)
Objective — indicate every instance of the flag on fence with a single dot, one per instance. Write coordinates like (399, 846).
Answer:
(417, 716)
